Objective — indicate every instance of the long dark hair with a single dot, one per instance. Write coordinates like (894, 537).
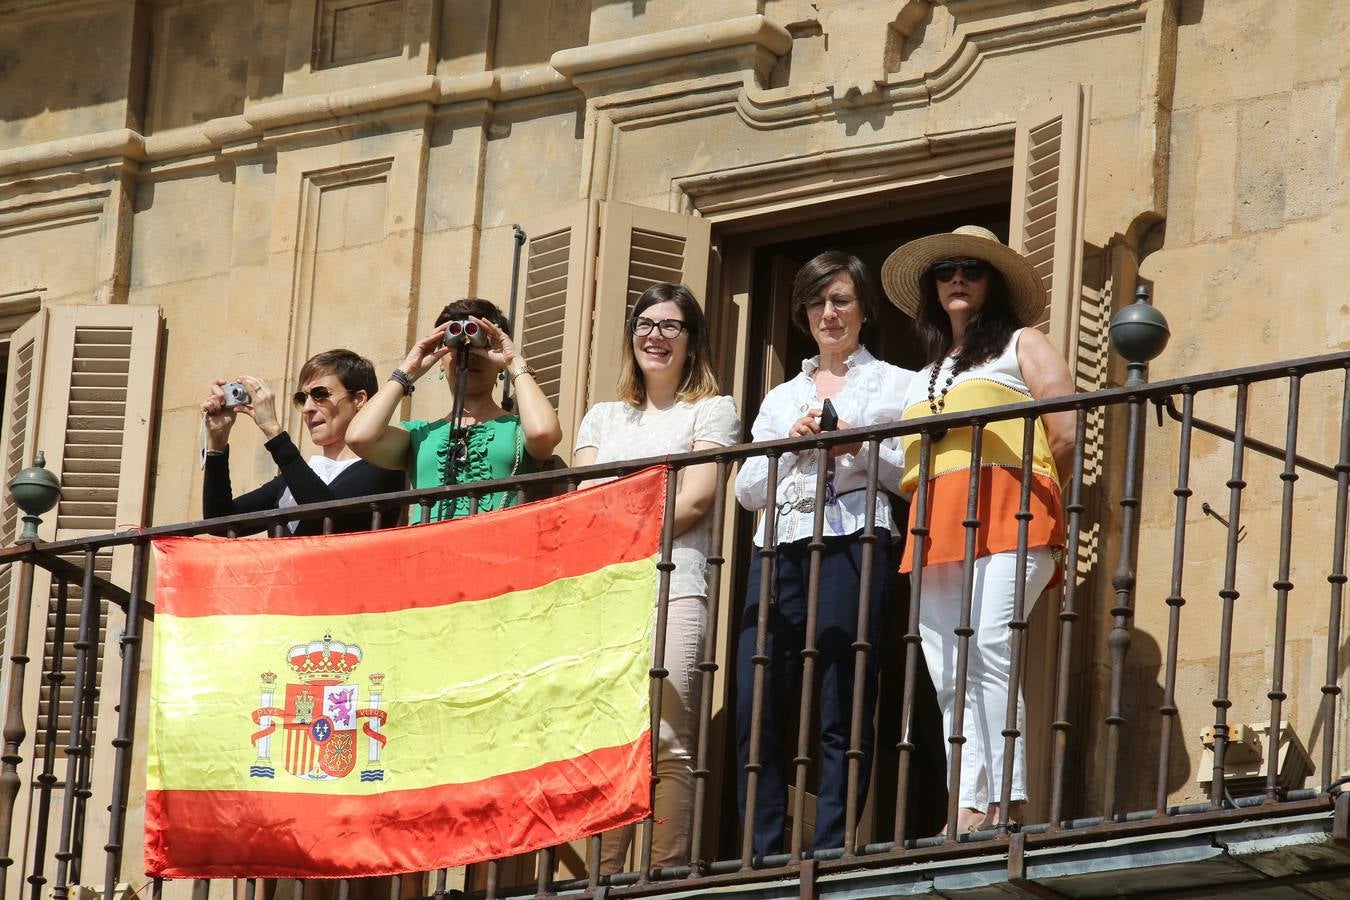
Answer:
(699, 380)
(987, 332)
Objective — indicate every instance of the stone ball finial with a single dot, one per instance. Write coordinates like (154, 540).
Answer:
(1139, 332)
(35, 491)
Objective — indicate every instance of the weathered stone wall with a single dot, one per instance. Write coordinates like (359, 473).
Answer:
(281, 177)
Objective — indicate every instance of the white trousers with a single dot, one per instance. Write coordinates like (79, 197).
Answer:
(677, 742)
(989, 669)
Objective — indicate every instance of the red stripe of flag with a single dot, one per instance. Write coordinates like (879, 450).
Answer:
(412, 830)
(517, 549)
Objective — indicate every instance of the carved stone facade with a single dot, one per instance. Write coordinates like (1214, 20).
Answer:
(271, 178)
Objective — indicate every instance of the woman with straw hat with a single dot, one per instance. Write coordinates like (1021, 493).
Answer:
(975, 303)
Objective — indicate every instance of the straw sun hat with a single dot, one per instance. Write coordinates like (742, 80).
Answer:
(901, 272)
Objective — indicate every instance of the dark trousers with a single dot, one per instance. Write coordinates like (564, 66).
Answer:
(836, 627)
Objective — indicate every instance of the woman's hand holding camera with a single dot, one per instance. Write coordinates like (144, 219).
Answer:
(218, 417)
(219, 414)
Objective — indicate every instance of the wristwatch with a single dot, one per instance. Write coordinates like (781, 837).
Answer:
(523, 370)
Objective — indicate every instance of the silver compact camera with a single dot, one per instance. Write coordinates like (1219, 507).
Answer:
(236, 395)
(464, 333)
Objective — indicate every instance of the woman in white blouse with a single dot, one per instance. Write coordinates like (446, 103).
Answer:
(669, 403)
(833, 298)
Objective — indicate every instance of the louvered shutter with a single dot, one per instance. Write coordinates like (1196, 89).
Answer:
(639, 247)
(553, 322)
(16, 444)
(99, 388)
(1049, 191)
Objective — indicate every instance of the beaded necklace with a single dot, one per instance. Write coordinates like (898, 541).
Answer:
(936, 401)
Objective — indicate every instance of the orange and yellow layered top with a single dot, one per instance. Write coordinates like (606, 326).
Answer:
(1000, 472)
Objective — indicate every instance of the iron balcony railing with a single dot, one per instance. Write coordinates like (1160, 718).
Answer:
(1076, 811)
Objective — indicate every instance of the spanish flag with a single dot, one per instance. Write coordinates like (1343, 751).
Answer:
(403, 700)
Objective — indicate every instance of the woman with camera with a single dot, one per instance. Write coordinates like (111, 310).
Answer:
(477, 439)
(975, 303)
(833, 299)
(669, 403)
(333, 386)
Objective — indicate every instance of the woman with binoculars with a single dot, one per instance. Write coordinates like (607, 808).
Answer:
(484, 441)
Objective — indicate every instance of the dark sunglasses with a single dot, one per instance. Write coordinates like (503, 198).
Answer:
(320, 394)
(973, 269)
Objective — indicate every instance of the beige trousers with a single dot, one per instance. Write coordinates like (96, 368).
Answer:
(686, 621)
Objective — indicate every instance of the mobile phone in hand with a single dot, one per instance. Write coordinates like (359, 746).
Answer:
(829, 419)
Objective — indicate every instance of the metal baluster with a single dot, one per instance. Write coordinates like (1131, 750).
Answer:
(47, 779)
(1282, 587)
(85, 763)
(913, 640)
(327, 524)
(494, 868)
(1229, 595)
(862, 650)
(768, 555)
(1337, 578)
(375, 518)
(659, 673)
(707, 667)
(543, 871)
(344, 888)
(1122, 583)
(473, 504)
(1068, 616)
(130, 646)
(14, 730)
(442, 877)
(592, 863)
(971, 523)
(1175, 601)
(84, 646)
(802, 759)
(1017, 626)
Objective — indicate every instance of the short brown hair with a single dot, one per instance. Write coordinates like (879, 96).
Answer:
(354, 371)
(699, 380)
(812, 278)
(473, 306)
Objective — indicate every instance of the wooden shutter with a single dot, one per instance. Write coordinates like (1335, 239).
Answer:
(553, 322)
(639, 247)
(99, 368)
(1049, 190)
(16, 444)
(99, 395)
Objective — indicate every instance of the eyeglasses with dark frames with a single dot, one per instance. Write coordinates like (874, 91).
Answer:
(319, 393)
(944, 270)
(667, 328)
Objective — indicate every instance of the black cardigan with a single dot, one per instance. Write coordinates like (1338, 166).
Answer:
(360, 479)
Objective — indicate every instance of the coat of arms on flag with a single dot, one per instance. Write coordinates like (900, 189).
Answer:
(319, 716)
(518, 644)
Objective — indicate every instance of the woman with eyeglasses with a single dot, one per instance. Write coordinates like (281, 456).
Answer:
(975, 303)
(333, 386)
(833, 300)
(669, 403)
(488, 441)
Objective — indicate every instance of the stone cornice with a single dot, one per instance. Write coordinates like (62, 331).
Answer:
(629, 69)
(674, 44)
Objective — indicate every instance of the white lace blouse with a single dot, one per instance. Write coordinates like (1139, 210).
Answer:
(873, 393)
(619, 431)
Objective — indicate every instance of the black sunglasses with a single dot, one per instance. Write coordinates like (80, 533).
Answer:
(973, 269)
(319, 393)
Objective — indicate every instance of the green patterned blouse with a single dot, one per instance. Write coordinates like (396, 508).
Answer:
(496, 449)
